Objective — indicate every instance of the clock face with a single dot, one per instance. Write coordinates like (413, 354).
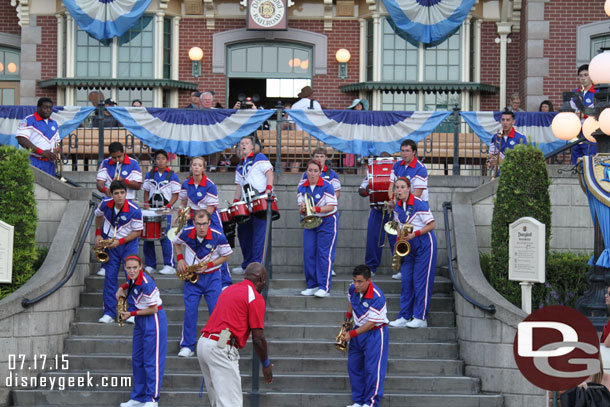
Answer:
(267, 14)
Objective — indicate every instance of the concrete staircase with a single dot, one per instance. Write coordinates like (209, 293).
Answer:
(423, 370)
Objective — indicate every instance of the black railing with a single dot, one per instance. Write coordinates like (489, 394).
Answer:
(487, 308)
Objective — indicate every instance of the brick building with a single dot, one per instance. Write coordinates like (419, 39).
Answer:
(527, 46)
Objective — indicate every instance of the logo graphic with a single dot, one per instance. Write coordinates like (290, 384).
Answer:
(556, 348)
(267, 13)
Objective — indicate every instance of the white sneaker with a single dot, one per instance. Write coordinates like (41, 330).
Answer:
(397, 276)
(131, 320)
(106, 319)
(151, 404)
(167, 270)
(417, 323)
(150, 270)
(333, 273)
(186, 353)
(309, 291)
(237, 270)
(132, 403)
(101, 272)
(355, 405)
(400, 322)
(321, 293)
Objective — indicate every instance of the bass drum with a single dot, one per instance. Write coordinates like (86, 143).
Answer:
(379, 173)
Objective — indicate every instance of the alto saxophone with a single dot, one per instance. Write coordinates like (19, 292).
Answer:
(100, 252)
(58, 164)
(121, 306)
(493, 169)
(346, 326)
(402, 247)
(190, 272)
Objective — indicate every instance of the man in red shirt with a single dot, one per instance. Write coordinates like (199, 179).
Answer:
(239, 310)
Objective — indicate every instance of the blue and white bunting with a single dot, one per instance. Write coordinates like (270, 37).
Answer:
(190, 132)
(536, 126)
(367, 133)
(427, 21)
(67, 117)
(105, 19)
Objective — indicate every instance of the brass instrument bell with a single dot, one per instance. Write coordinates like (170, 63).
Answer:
(121, 306)
(310, 221)
(346, 326)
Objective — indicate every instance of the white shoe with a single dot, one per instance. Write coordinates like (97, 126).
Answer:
(400, 322)
(397, 276)
(224, 288)
(321, 293)
(417, 323)
(101, 272)
(150, 270)
(237, 270)
(167, 270)
(132, 403)
(131, 320)
(106, 319)
(151, 404)
(333, 273)
(186, 353)
(355, 405)
(309, 291)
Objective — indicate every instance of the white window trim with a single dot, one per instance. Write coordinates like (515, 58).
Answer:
(584, 33)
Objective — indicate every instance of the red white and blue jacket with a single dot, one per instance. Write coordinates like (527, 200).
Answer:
(370, 307)
(323, 194)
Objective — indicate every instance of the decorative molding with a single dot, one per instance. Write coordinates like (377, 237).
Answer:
(328, 15)
(163, 4)
(10, 40)
(209, 11)
(23, 11)
(372, 5)
(584, 33)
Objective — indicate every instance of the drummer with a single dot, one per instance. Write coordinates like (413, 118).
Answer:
(161, 188)
(253, 176)
(199, 192)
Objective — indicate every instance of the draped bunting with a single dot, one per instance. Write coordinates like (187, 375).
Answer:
(427, 21)
(596, 182)
(190, 132)
(536, 126)
(67, 117)
(105, 19)
(364, 132)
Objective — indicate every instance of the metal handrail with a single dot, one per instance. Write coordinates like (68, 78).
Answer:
(487, 308)
(563, 148)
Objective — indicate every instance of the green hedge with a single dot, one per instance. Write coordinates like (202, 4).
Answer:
(18, 208)
(523, 190)
(565, 279)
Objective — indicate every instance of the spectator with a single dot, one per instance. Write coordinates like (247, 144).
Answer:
(305, 102)
(546, 106)
(515, 103)
(195, 104)
(109, 120)
(349, 161)
(136, 103)
(206, 100)
(288, 123)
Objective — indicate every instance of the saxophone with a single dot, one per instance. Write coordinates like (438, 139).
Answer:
(402, 247)
(121, 306)
(346, 326)
(100, 252)
(190, 272)
(59, 164)
(493, 169)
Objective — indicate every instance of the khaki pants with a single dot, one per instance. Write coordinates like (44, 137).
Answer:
(220, 368)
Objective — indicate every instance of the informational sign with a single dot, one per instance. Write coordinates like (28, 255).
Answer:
(6, 252)
(526, 251)
(267, 15)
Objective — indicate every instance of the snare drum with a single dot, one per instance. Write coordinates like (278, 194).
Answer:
(379, 180)
(225, 216)
(153, 226)
(239, 212)
(259, 207)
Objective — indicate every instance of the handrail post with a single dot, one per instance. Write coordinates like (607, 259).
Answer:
(279, 110)
(100, 123)
(456, 140)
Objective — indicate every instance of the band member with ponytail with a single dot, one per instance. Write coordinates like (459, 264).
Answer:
(419, 266)
(205, 245)
(120, 219)
(149, 334)
(319, 242)
(119, 167)
(161, 188)
(253, 176)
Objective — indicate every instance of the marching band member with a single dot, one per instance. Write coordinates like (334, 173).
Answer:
(120, 219)
(40, 134)
(128, 170)
(200, 193)
(253, 176)
(586, 92)
(161, 188)
(506, 138)
(205, 245)
(367, 358)
(319, 242)
(149, 334)
(419, 266)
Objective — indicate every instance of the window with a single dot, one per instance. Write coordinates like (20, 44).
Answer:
(93, 57)
(442, 62)
(269, 60)
(400, 57)
(135, 50)
(285, 88)
(370, 44)
(398, 101)
(598, 43)
(10, 65)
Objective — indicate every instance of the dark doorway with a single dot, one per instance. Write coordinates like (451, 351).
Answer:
(251, 87)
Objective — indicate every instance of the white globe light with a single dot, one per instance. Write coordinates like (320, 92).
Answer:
(342, 55)
(607, 8)
(588, 127)
(604, 121)
(195, 54)
(566, 125)
(599, 68)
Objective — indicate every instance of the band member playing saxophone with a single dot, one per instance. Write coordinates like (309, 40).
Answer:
(367, 358)
(209, 248)
(507, 138)
(586, 92)
(119, 167)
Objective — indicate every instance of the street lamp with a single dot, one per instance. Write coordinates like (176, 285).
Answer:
(196, 55)
(342, 57)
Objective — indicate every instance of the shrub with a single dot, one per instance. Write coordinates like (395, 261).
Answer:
(18, 208)
(523, 190)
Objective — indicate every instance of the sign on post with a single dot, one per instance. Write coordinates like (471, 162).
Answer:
(6, 252)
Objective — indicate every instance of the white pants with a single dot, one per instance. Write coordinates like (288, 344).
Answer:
(220, 368)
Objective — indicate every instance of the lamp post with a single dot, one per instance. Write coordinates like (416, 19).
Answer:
(342, 57)
(196, 55)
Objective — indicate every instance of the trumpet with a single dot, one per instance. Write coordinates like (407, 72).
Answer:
(59, 165)
(346, 326)
(100, 252)
(310, 221)
(117, 172)
(493, 169)
(181, 223)
(190, 272)
(402, 247)
(121, 306)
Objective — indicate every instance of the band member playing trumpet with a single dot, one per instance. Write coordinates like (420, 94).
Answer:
(200, 244)
(40, 134)
(253, 176)
(586, 92)
(120, 219)
(367, 358)
(317, 196)
(161, 188)
(507, 138)
(419, 266)
(119, 167)
(149, 334)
